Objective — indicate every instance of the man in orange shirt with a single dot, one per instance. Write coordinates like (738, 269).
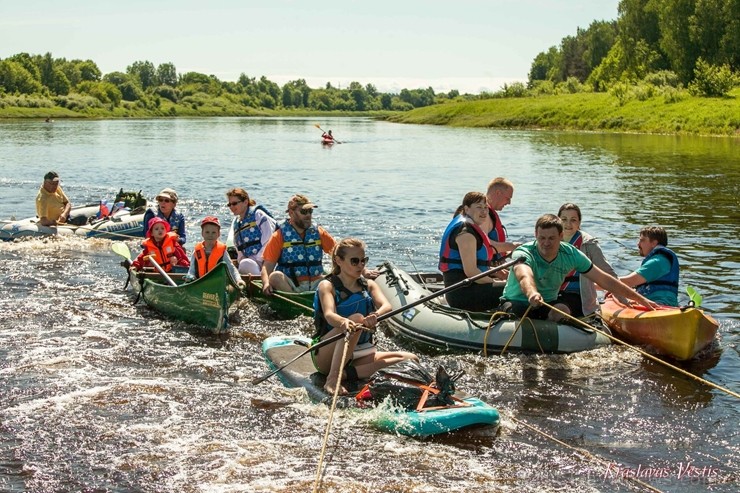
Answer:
(293, 255)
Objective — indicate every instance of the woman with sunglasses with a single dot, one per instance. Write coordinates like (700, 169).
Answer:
(344, 300)
(252, 228)
(465, 252)
(166, 202)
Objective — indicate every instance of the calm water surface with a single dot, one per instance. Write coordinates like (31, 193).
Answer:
(100, 395)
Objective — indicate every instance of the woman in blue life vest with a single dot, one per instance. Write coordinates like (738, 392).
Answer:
(345, 300)
(466, 251)
(578, 292)
(166, 203)
(251, 230)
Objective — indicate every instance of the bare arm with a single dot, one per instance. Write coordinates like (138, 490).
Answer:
(525, 277)
(467, 244)
(267, 269)
(633, 279)
(617, 287)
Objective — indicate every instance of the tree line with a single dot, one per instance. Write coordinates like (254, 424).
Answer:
(148, 85)
(691, 43)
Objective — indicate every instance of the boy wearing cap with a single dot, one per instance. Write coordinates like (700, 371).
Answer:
(166, 202)
(161, 244)
(52, 205)
(210, 252)
(293, 255)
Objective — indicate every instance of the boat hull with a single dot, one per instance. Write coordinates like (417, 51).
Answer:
(204, 302)
(301, 373)
(670, 331)
(286, 305)
(437, 326)
(122, 224)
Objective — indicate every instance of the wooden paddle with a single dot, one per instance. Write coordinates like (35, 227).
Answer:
(122, 249)
(401, 309)
(332, 137)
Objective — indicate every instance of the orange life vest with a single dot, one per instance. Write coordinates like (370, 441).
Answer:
(205, 263)
(162, 254)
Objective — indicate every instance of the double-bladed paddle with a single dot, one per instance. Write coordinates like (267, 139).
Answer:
(401, 309)
(332, 137)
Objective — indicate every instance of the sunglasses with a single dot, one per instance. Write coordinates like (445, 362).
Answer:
(355, 261)
(160, 199)
(306, 212)
(234, 204)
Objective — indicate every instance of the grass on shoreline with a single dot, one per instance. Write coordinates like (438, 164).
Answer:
(589, 112)
(580, 111)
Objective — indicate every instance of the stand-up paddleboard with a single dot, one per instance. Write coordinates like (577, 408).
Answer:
(468, 411)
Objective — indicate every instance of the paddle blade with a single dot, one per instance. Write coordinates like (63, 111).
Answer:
(317, 126)
(120, 248)
(694, 296)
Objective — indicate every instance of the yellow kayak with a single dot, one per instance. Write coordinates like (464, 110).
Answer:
(676, 332)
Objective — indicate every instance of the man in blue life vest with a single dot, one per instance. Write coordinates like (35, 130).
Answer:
(657, 277)
(547, 262)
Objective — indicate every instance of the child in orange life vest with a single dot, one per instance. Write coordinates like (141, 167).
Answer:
(210, 252)
(163, 245)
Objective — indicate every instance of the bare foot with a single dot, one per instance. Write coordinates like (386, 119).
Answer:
(330, 387)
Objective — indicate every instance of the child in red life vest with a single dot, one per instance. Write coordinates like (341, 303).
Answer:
(210, 252)
(163, 246)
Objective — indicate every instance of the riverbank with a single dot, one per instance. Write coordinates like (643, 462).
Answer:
(43, 108)
(589, 112)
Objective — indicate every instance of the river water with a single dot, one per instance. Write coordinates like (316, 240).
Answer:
(99, 395)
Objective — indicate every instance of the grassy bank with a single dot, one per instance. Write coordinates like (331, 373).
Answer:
(86, 107)
(589, 112)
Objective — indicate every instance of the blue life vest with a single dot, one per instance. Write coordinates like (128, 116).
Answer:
(347, 303)
(247, 233)
(572, 283)
(300, 258)
(449, 252)
(668, 282)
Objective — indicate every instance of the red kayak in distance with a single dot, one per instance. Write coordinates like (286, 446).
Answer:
(327, 142)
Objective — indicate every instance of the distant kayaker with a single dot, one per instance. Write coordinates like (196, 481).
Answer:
(52, 205)
(210, 252)
(498, 195)
(657, 277)
(466, 251)
(163, 245)
(343, 300)
(547, 262)
(166, 203)
(580, 294)
(327, 136)
(252, 227)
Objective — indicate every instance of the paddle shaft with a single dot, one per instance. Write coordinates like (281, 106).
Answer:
(161, 271)
(424, 299)
(332, 137)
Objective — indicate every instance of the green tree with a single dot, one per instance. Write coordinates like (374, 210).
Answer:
(89, 70)
(545, 66)
(15, 78)
(143, 74)
(359, 95)
(166, 74)
(29, 63)
(675, 36)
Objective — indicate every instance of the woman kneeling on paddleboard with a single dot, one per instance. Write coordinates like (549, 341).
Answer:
(343, 300)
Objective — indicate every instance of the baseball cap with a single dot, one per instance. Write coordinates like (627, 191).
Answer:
(51, 176)
(211, 220)
(300, 201)
(167, 193)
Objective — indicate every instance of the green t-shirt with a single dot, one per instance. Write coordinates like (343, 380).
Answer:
(548, 276)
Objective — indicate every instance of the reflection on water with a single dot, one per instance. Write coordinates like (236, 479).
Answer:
(100, 395)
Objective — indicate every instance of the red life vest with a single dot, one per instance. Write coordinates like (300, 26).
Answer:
(573, 279)
(206, 263)
(162, 253)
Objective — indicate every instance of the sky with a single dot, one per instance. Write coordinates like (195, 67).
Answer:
(468, 45)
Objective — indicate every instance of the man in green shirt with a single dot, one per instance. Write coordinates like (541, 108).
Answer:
(547, 262)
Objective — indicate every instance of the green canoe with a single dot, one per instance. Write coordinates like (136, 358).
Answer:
(203, 302)
(286, 305)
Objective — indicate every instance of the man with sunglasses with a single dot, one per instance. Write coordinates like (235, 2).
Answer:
(166, 202)
(293, 255)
